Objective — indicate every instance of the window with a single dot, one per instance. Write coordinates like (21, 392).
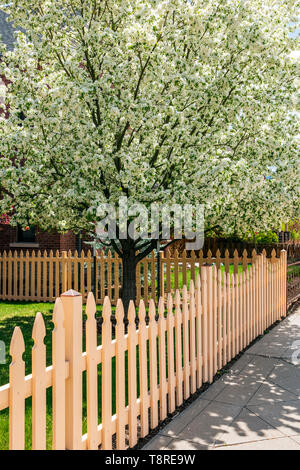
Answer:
(26, 236)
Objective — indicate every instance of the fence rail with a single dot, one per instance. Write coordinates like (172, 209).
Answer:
(154, 366)
(43, 277)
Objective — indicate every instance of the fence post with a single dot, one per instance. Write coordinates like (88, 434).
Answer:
(72, 305)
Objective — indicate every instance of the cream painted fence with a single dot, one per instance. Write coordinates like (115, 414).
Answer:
(42, 277)
(196, 334)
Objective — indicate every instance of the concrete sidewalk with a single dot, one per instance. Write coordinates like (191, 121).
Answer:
(255, 406)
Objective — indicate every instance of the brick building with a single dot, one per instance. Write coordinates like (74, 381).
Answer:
(14, 238)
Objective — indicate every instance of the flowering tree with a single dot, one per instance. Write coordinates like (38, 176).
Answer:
(171, 101)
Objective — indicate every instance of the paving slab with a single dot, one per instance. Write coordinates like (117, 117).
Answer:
(248, 427)
(254, 406)
(284, 416)
(207, 428)
(271, 393)
(283, 443)
(181, 420)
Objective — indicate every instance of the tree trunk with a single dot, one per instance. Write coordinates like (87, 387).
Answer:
(128, 279)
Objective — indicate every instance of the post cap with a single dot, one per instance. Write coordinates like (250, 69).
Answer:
(71, 293)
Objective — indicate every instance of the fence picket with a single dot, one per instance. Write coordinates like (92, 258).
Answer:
(170, 346)
(204, 295)
(120, 376)
(192, 315)
(185, 334)
(162, 360)
(199, 343)
(143, 370)
(92, 373)
(224, 319)
(132, 386)
(178, 349)
(39, 385)
(153, 365)
(17, 392)
(106, 376)
(59, 377)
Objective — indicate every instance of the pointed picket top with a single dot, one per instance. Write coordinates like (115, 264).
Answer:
(45, 254)
(245, 253)
(254, 253)
(176, 253)
(119, 312)
(91, 306)
(152, 311)
(193, 255)
(209, 255)
(184, 293)
(17, 345)
(57, 254)
(76, 254)
(161, 308)
(10, 254)
(184, 253)
(167, 253)
(131, 314)
(218, 253)
(170, 303)
(264, 253)
(106, 311)
(51, 253)
(89, 254)
(58, 313)
(142, 312)
(273, 254)
(116, 256)
(177, 299)
(27, 254)
(39, 330)
(21, 254)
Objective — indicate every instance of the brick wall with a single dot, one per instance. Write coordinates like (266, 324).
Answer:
(45, 240)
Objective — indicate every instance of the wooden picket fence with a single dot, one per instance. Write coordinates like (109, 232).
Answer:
(44, 277)
(159, 363)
